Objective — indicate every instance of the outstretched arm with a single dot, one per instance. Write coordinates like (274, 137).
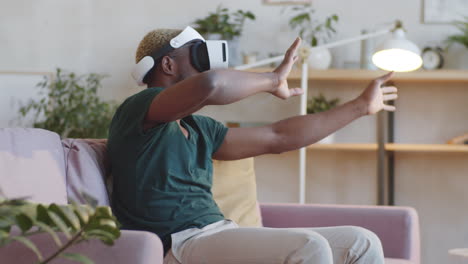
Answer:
(220, 87)
(301, 131)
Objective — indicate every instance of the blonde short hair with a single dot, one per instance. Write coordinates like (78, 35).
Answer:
(153, 41)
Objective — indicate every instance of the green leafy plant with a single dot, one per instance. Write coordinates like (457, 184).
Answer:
(320, 104)
(76, 222)
(460, 38)
(227, 24)
(71, 107)
(311, 30)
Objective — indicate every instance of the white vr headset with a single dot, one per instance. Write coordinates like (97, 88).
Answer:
(204, 55)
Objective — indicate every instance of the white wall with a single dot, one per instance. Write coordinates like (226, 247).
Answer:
(101, 36)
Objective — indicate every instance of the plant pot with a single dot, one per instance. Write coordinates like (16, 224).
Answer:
(330, 139)
(320, 59)
(213, 36)
(456, 57)
(463, 60)
(235, 57)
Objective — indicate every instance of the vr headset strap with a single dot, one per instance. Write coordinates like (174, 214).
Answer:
(157, 55)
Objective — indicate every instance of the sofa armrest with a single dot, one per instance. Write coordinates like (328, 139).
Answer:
(397, 227)
(137, 247)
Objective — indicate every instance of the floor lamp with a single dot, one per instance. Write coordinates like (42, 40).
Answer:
(395, 54)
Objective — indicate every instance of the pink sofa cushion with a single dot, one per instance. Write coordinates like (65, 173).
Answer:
(398, 261)
(135, 247)
(87, 168)
(396, 226)
(32, 165)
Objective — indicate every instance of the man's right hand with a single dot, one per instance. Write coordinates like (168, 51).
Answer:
(282, 71)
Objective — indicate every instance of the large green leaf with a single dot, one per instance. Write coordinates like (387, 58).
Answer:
(3, 234)
(77, 257)
(82, 212)
(24, 222)
(104, 211)
(4, 238)
(5, 222)
(107, 222)
(78, 221)
(51, 232)
(43, 215)
(67, 215)
(29, 244)
(60, 224)
(106, 237)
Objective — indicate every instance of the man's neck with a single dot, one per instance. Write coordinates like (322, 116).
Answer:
(160, 80)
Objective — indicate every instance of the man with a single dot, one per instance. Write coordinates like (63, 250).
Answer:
(161, 159)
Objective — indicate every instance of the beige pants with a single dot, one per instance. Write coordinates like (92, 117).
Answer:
(344, 244)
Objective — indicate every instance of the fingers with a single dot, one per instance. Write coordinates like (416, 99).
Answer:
(385, 77)
(295, 91)
(296, 44)
(293, 48)
(388, 97)
(389, 89)
(390, 108)
(295, 58)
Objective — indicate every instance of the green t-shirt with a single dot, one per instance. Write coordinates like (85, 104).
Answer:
(162, 180)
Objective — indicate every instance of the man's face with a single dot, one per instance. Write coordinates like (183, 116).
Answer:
(182, 58)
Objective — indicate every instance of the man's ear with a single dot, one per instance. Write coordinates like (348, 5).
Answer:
(168, 65)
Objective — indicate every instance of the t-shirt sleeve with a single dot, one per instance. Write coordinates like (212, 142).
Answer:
(214, 131)
(130, 115)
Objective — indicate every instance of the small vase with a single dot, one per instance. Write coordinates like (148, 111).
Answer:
(235, 57)
(213, 36)
(463, 62)
(320, 59)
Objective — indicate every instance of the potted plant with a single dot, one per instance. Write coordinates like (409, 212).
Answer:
(77, 223)
(71, 107)
(314, 32)
(462, 39)
(223, 24)
(320, 104)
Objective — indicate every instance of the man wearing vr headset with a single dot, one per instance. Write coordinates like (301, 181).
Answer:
(161, 155)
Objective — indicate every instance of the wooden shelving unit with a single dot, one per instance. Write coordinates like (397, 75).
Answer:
(385, 152)
(357, 75)
(394, 147)
(437, 148)
(344, 147)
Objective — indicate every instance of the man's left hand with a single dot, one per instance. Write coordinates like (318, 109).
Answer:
(375, 95)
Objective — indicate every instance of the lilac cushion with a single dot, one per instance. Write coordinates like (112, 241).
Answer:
(397, 261)
(136, 247)
(32, 165)
(87, 167)
(396, 226)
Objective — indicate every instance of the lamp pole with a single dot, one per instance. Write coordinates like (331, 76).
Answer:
(303, 111)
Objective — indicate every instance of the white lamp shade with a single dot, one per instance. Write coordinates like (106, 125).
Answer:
(398, 54)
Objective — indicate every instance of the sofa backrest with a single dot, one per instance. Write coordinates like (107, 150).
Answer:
(36, 164)
(234, 188)
(32, 165)
(87, 169)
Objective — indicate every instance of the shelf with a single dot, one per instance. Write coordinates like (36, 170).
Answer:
(344, 146)
(427, 148)
(357, 75)
(436, 148)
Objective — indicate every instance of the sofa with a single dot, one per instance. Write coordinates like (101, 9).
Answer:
(40, 165)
